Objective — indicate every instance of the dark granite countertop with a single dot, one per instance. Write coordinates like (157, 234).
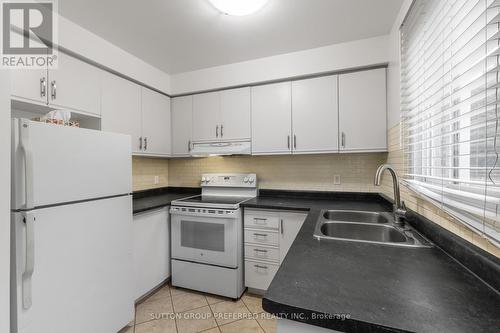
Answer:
(157, 198)
(373, 288)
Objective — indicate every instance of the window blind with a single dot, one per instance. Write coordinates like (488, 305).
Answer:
(450, 99)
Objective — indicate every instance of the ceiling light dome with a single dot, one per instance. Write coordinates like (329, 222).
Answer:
(238, 7)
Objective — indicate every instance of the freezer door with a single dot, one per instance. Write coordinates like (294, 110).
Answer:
(55, 164)
(80, 260)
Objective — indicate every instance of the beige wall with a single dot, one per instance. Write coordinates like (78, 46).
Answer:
(301, 172)
(144, 171)
(432, 212)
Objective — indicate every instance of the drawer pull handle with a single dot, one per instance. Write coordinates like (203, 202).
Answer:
(259, 250)
(258, 220)
(260, 235)
(260, 266)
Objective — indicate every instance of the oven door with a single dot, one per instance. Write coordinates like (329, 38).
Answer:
(206, 239)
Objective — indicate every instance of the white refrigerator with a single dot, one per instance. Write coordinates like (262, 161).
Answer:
(71, 265)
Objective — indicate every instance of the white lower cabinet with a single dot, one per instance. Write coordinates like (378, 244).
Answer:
(292, 222)
(151, 250)
(260, 252)
(259, 274)
(262, 237)
(268, 236)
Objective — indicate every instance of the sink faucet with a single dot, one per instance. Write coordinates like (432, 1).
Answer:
(399, 206)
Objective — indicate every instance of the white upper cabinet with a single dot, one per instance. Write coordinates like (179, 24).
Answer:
(140, 112)
(235, 114)
(362, 111)
(206, 123)
(155, 123)
(271, 118)
(182, 120)
(222, 115)
(121, 108)
(74, 85)
(29, 85)
(315, 115)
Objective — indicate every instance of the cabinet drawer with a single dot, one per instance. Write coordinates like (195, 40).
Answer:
(259, 220)
(261, 237)
(261, 252)
(259, 275)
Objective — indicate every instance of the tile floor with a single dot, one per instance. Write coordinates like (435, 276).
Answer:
(176, 310)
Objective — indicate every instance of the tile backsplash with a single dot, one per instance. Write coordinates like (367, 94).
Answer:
(424, 207)
(144, 171)
(301, 172)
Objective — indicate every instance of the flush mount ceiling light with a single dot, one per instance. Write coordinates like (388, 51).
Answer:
(238, 7)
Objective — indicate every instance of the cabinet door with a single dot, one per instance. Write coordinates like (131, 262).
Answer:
(156, 123)
(30, 85)
(182, 121)
(121, 108)
(151, 250)
(206, 120)
(315, 115)
(271, 118)
(74, 85)
(235, 114)
(290, 225)
(362, 111)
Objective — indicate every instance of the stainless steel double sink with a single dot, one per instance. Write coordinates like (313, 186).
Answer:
(366, 227)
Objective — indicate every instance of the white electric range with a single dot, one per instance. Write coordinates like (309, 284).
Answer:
(207, 235)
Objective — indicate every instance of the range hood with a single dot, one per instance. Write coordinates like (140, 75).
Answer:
(202, 149)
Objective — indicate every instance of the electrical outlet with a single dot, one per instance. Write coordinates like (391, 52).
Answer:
(336, 179)
(157, 180)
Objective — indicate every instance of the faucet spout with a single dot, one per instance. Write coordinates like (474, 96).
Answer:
(399, 207)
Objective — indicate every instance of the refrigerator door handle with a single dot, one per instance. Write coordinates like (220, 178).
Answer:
(25, 143)
(29, 220)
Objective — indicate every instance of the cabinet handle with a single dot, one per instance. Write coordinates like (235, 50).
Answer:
(217, 131)
(260, 266)
(294, 141)
(189, 145)
(43, 87)
(259, 220)
(343, 140)
(146, 143)
(221, 131)
(140, 143)
(288, 141)
(53, 87)
(260, 235)
(281, 225)
(259, 250)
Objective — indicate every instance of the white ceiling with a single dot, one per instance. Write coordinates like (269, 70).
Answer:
(183, 35)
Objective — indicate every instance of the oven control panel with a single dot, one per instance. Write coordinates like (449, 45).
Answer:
(229, 180)
(212, 212)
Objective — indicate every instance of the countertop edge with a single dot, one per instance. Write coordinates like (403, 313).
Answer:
(324, 320)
